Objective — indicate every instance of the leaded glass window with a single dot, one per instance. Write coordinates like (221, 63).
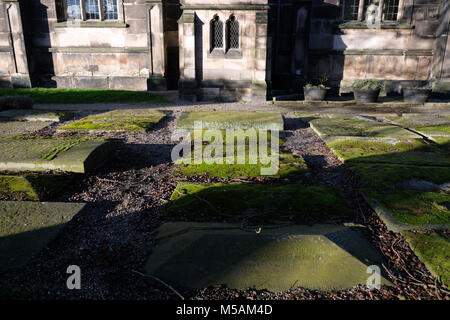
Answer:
(232, 33)
(351, 9)
(216, 33)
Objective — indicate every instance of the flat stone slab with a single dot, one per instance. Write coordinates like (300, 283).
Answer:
(59, 154)
(330, 128)
(231, 120)
(35, 115)
(390, 150)
(117, 120)
(430, 125)
(32, 187)
(16, 128)
(256, 201)
(27, 227)
(319, 257)
(434, 250)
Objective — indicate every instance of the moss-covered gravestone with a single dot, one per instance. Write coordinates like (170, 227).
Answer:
(231, 120)
(27, 227)
(116, 120)
(16, 128)
(59, 154)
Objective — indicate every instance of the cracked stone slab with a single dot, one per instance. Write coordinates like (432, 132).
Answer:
(232, 120)
(320, 257)
(16, 128)
(59, 154)
(35, 115)
(27, 227)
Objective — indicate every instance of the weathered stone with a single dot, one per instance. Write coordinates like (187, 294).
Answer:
(27, 227)
(232, 120)
(16, 102)
(35, 115)
(421, 185)
(321, 257)
(14, 128)
(117, 120)
(66, 154)
(34, 187)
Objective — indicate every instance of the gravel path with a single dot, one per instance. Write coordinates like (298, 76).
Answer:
(111, 239)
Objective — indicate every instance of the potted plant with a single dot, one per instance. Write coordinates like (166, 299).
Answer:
(316, 93)
(366, 91)
(416, 94)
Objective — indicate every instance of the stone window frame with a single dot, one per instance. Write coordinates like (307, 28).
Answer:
(224, 51)
(64, 16)
(361, 11)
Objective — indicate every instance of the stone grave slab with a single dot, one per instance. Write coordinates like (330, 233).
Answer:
(27, 227)
(255, 201)
(430, 125)
(350, 126)
(16, 128)
(406, 196)
(58, 154)
(35, 115)
(320, 257)
(34, 187)
(117, 120)
(231, 120)
(390, 150)
(434, 250)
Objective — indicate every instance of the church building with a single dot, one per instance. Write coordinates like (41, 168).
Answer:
(223, 49)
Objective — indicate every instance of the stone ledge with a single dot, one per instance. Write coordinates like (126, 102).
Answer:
(225, 7)
(91, 24)
(384, 25)
(373, 52)
(92, 49)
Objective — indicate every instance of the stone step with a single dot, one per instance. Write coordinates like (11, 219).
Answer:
(319, 257)
(27, 227)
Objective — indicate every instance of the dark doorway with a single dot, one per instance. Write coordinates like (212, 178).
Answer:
(172, 13)
(288, 31)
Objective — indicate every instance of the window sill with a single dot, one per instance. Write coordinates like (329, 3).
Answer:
(363, 25)
(230, 54)
(91, 24)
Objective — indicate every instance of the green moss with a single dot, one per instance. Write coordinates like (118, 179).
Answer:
(434, 251)
(117, 120)
(75, 96)
(231, 120)
(34, 187)
(388, 176)
(199, 201)
(414, 208)
(289, 165)
(399, 151)
(61, 148)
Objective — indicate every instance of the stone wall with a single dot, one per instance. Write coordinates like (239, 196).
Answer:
(226, 74)
(14, 71)
(398, 52)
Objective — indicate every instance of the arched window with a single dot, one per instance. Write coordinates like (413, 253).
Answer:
(216, 33)
(232, 33)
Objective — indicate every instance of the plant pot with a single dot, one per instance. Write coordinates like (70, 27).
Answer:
(413, 95)
(315, 94)
(366, 96)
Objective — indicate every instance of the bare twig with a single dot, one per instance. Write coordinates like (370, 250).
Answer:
(160, 281)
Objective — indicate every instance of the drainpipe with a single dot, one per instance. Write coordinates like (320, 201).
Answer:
(11, 39)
